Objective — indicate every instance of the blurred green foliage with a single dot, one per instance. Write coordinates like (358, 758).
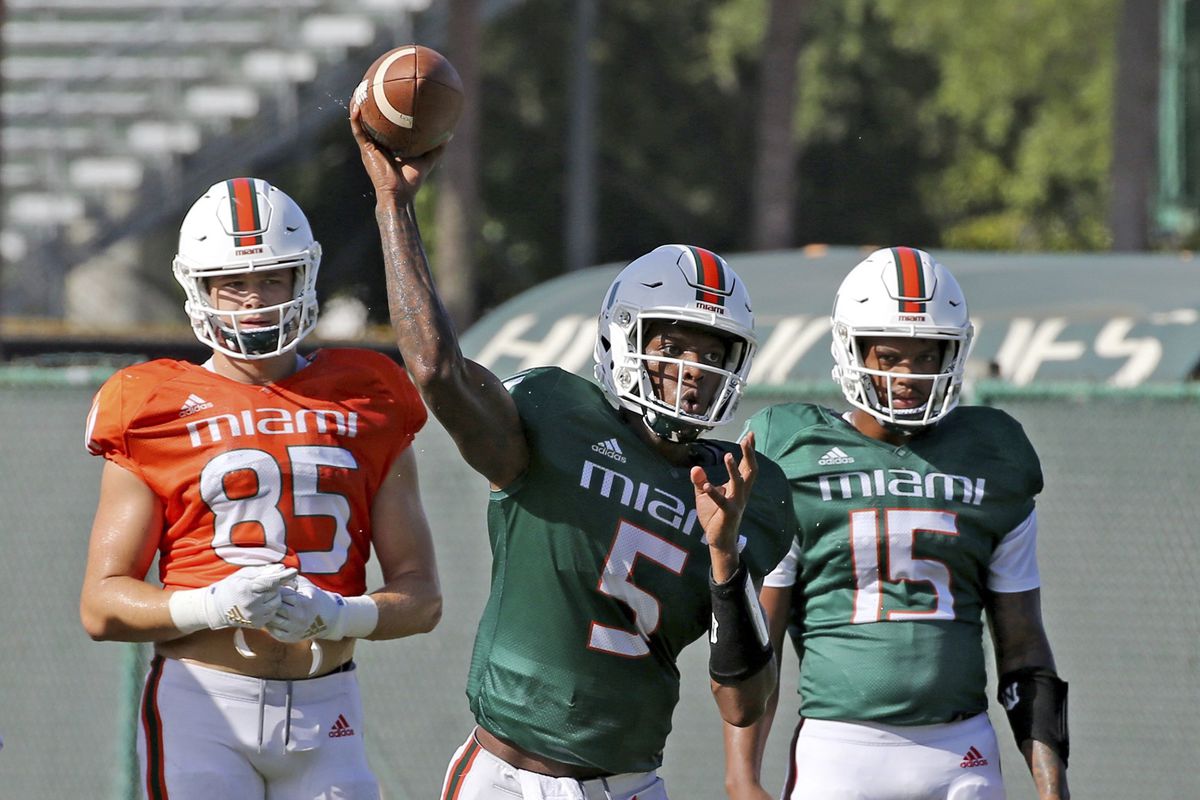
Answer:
(1020, 122)
(927, 122)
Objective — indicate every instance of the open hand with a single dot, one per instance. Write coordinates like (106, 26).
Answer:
(719, 508)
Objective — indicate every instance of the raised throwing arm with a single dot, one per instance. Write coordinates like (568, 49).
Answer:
(469, 401)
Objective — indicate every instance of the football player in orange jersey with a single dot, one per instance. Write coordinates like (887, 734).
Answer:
(261, 480)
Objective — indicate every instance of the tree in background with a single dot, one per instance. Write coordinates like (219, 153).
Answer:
(579, 179)
(456, 215)
(673, 145)
(862, 159)
(775, 163)
(938, 124)
(1134, 151)
(1020, 122)
(739, 125)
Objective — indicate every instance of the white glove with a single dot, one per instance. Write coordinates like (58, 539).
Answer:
(246, 599)
(307, 611)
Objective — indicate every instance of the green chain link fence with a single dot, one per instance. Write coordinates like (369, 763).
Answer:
(1119, 550)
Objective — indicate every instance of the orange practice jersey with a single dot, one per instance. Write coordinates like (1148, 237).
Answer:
(248, 474)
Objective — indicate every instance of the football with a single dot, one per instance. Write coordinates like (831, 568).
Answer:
(411, 99)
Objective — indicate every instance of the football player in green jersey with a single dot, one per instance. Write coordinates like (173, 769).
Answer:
(618, 535)
(915, 517)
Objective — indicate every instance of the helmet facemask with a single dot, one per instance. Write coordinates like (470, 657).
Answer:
(862, 384)
(665, 286)
(900, 293)
(665, 415)
(243, 226)
(226, 330)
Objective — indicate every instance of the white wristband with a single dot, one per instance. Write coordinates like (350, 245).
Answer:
(187, 610)
(360, 616)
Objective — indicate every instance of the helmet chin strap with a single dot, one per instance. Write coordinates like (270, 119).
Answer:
(904, 430)
(672, 430)
(253, 341)
(250, 342)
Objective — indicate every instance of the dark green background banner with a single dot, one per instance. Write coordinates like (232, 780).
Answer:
(1119, 319)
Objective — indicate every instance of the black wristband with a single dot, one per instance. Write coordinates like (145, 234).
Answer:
(1036, 701)
(739, 645)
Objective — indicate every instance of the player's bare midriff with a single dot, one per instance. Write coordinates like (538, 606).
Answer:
(272, 659)
(523, 759)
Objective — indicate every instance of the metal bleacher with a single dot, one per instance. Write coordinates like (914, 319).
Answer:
(115, 113)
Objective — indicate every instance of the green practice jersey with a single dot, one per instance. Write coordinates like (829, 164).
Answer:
(599, 578)
(895, 545)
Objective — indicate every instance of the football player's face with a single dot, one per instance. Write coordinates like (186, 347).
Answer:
(252, 290)
(692, 347)
(903, 357)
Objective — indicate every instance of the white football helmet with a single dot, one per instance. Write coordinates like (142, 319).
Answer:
(682, 284)
(246, 225)
(900, 291)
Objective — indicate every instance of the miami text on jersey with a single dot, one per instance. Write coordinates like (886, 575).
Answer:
(270, 422)
(902, 483)
(666, 507)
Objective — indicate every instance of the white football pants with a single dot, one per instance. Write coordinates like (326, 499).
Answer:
(869, 761)
(476, 774)
(204, 733)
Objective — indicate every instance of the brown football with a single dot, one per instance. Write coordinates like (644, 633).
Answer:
(411, 99)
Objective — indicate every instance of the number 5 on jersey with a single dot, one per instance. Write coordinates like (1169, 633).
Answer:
(616, 580)
(900, 526)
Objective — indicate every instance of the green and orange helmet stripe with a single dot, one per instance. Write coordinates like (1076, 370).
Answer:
(712, 276)
(243, 210)
(910, 280)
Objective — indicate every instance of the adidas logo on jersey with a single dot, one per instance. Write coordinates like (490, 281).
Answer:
(193, 405)
(611, 449)
(340, 728)
(973, 758)
(835, 456)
